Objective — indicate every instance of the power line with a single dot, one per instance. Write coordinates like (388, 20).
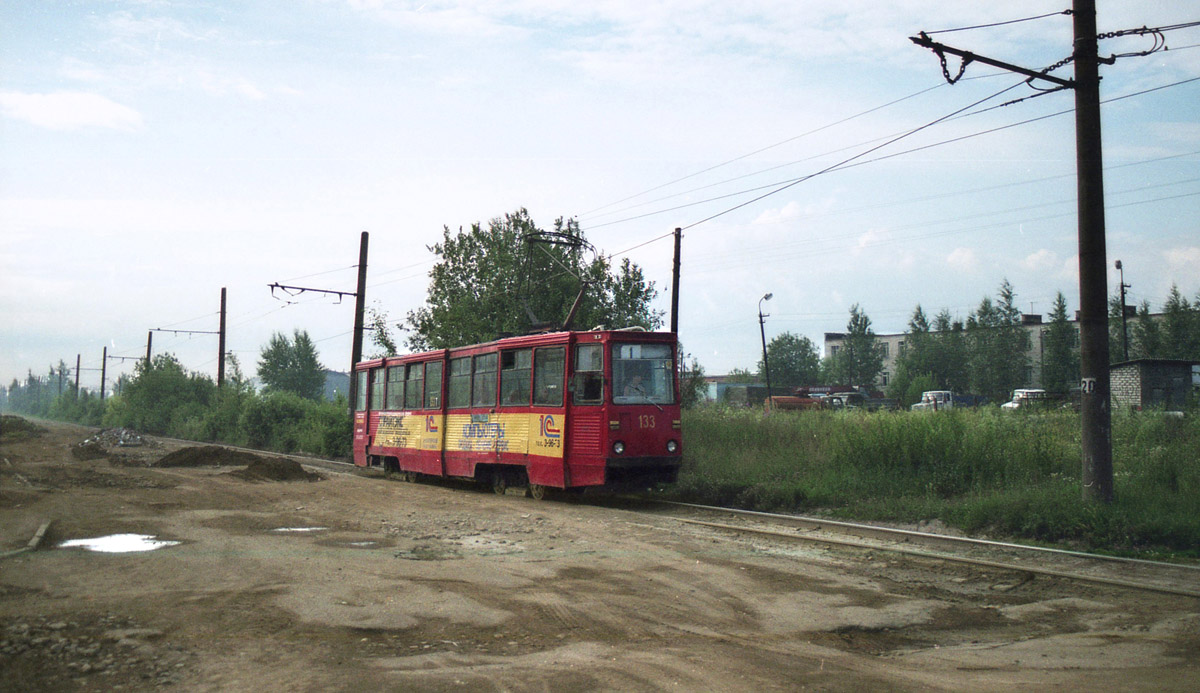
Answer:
(995, 24)
(847, 161)
(851, 163)
(764, 149)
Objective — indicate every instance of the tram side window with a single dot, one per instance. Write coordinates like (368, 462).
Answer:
(589, 374)
(459, 384)
(515, 367)
(413, 387)
(548, 367)
(377, 384)
(395, 387)
(361, 396)
(433, 385)
(485, 381)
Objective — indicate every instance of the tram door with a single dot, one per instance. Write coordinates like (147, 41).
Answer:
(548, 417)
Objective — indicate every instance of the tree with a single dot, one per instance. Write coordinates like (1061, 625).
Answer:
(1146, 338)
(292, 366)
(950, 360)
(998, 361)
(1177, 329)
(381, 333)
(1060, 350)
(499, 280)
(860, 359)
(794, 361)
(691, 382)
(157, 394)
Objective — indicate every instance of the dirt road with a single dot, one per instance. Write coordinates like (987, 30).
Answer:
(358, 583)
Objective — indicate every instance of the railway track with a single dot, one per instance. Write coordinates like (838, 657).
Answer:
(1115, 571)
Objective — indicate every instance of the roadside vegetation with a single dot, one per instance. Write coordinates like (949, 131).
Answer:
(165, 399)
(984, 471)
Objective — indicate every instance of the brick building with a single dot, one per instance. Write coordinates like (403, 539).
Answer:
(1143, 383)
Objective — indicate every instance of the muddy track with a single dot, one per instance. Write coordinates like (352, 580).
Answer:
(350, 582)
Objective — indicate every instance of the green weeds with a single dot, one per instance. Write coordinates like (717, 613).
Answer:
(985, 471)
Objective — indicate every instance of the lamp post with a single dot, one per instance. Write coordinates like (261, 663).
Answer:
(763, 331)
(1124, 325)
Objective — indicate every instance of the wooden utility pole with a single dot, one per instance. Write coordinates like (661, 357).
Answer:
(103, 372)
(149, 342)
(221, 343)
(1095, 403)
(78, 361)
(360, 303)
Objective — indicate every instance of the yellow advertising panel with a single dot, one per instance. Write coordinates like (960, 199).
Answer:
(524, 433)
(413, 431)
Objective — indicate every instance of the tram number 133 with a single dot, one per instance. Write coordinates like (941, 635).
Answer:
(646, 421)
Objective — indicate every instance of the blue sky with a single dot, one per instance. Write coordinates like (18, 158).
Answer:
(157, 151)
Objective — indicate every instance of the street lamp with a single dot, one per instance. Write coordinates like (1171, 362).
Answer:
(1124, 325)
(763, 331)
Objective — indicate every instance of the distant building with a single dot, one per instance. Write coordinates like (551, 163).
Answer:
(894, 345)
(717, 388)
(1162, 383)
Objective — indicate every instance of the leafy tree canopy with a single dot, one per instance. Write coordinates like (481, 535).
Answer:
(491, 281)
(291, 365)
(794, 361)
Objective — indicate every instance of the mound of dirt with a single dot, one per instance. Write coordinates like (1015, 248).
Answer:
(87, 450)
(14, 428)
(275, 469)
(207, 456)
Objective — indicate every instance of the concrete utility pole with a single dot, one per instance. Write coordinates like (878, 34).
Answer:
(221, 343)
(1095, 405)
(675, 284)
(762, 331)
(1124, 315)
(360, 303)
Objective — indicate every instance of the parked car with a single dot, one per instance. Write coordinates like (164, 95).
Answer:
(1026, 397)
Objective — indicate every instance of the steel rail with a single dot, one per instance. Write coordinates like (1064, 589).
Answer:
(860, 529)
(1112, 582)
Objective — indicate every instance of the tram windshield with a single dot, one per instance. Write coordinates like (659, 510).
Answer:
(643, 373)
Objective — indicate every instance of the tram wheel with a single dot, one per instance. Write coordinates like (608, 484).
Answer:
(499, 484)
(537, 491)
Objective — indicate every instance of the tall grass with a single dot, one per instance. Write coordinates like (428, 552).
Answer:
(1004, 473)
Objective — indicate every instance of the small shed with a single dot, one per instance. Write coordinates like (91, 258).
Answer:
(1160, 383)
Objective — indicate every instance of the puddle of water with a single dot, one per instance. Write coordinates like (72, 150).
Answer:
(299, 529)
(118, 543)
(362, 543)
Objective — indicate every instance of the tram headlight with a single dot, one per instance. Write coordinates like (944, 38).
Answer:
(672, 446)
(619, 448)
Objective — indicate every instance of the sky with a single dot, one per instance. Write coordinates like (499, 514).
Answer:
(154, 152)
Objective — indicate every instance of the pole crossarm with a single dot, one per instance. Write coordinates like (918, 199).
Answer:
(301, 289)
(923, 40)
(159, 329)
(126, 358)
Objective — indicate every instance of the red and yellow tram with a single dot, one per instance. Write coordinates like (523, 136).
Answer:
(566, 410)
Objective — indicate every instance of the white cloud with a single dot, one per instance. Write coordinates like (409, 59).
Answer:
(962, 259)
(1041, 261)
(1183, 261)
(69, 110)
(776, 215)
